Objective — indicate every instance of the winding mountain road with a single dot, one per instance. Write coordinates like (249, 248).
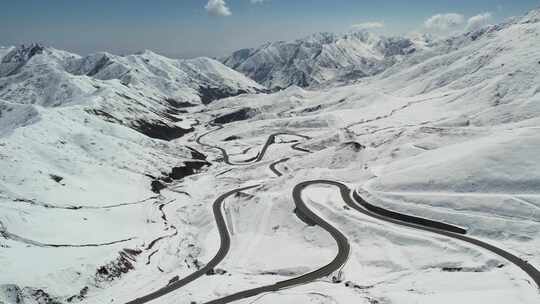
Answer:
(220, 222)
(334, 265)
(222, 252)
(398, 219)
(353, 200)
(274, 164)
(271, 140)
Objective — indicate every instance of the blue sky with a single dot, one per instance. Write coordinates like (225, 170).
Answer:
(184, 28)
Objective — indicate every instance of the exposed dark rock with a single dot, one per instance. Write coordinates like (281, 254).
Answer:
(356, 286)
(196, 154)
(56, 178)
(232, 137)
(177, 173)
(102, 63)
(157, 186)
(115, 269)
(42, 297)
(356, 147)
(452, 269)
(179, 104)
(79, 297)
(132, 252)
(104, 115)
(238, 115)
(189, 168)
(312, 109)
(17, 58)
(220, 271)
(171, 118)
(124, 96)
(166, 179)
(173, 111)
(209, 94)
(160, 130)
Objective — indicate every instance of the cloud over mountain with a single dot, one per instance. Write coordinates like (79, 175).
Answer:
(217, 8)
(368, 25)
(478, 21)
(444, 22)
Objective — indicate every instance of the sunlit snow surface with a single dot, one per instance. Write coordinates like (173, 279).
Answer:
(450, 134)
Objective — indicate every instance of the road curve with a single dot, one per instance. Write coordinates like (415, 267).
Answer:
(334, 265)
(394, 218)
(274, 164)
(405, 218)
(271, 140)
(297, 148)
(222, 252)
(360, 205)
(220, 221)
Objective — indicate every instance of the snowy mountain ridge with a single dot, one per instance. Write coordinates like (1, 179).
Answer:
(322, 57)
(112, 172)
(156, 74)
(143, 91)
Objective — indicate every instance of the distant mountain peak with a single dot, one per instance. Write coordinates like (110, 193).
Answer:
(320, 58)
(23, 53)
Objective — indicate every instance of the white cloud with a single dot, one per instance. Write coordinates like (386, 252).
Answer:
(257, 1)
(478, 21)
(444, 22)
(217, 8)
(368, 25)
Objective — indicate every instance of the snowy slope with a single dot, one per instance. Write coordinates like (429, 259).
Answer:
(143, 91)
(450, 134)
(23, 70)
(320, 58)
(78, 155)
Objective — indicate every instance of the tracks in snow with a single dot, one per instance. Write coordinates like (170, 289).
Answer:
(14, 237)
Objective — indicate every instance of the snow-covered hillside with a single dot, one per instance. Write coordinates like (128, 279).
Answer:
(84, 149)
(321, 58)
(143, 91)
(95, 210)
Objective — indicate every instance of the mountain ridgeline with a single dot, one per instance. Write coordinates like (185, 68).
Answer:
(321, 58)
(145, 91)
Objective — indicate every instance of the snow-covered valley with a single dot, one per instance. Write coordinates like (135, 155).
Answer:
(120, 178)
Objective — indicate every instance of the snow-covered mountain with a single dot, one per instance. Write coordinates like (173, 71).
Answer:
(143, 91)
(195, 81)
(93, 210)
(321, 58)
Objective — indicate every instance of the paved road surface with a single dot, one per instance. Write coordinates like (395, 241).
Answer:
(368, 209)
(333, 266)
(223, 250)
(274, 164)
(353, 200)
(271, 140)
